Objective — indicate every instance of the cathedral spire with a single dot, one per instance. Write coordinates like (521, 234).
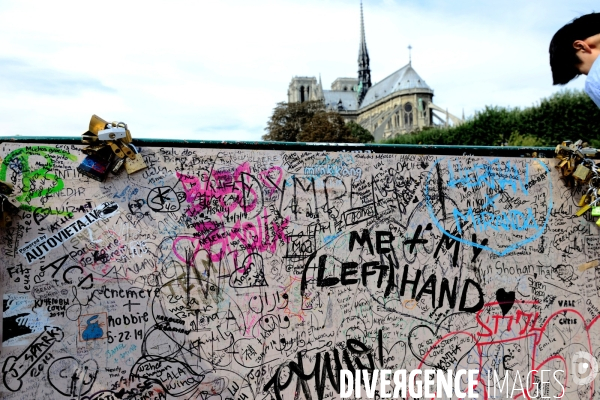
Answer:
(364, 71)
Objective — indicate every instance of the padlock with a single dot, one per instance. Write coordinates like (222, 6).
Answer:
(582, 174)
(96, 165)
(116, 149)
(582, 210)
(562, 163)
(569, 167)
(117, 166)
(589, 152)
(596, 211)
(6, 187)
(585, 199)
(127, 138)
(137, 164)
(5, 219)
(126, 149)
(8, 206)
(7, 210)
(92, 149)
(112, 133)
(116, 134)
(97, 124)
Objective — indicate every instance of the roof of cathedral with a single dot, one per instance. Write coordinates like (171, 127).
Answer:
(348, 98)
(403, 79)
(363, 53)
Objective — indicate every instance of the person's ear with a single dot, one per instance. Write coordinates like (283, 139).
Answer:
(581, 45)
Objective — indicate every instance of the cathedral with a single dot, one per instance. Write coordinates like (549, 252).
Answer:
(400, 103)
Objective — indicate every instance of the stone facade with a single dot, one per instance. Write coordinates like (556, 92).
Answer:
(400, 103)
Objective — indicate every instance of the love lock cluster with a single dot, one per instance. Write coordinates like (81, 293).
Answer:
(110, 147)
(576, 162)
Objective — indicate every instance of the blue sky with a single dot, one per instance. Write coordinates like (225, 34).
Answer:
(215, 70)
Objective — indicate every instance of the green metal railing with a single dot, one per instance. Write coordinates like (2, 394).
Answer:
(504, 151)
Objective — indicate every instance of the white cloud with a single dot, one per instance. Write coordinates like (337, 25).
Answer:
(215, 70)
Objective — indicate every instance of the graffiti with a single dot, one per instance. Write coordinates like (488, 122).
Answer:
(223, 274)
(164, 199)
(72, 378)
(16, 368)
(34, 181)
(485, 188)
(43, 244)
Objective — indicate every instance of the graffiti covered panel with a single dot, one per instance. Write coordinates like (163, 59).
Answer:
(261, 274)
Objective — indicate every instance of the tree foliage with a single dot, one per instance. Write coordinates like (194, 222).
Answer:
(565, 115)
(288, 119)
(326, 126)
(306, 122)
(361, 134)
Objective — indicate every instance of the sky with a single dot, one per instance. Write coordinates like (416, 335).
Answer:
(214, 70)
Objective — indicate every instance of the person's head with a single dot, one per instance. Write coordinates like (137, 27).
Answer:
(574, 48)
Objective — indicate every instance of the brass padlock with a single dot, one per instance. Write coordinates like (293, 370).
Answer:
(126, 149)
(582, 174)
(96, 124)
(116, 148)
(569, 167)
(137, 164)
(583, 210)
(562, 163)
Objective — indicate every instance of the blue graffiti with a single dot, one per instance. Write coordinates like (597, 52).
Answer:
(492, 173)
(495, 176)
(513, 220)
(328, 239)
(92, 330)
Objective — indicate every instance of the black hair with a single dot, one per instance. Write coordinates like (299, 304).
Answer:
(563, 56)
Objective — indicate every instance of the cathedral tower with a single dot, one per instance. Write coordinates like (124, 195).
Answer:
(364, 71)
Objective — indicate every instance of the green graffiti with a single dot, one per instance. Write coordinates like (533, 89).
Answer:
(20, 157)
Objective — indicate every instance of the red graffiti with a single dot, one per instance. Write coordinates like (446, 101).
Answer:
(520, 329)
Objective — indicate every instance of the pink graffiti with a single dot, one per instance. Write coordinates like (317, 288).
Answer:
(222, 190)
(252, 236)
(271, 178)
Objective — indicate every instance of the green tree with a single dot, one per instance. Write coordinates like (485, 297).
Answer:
(288, 119)
(568, 114)
(306, 122)
(326, 126)
(361, 134)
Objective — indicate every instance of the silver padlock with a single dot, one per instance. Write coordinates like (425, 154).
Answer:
(117, 166)
(112, 133)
